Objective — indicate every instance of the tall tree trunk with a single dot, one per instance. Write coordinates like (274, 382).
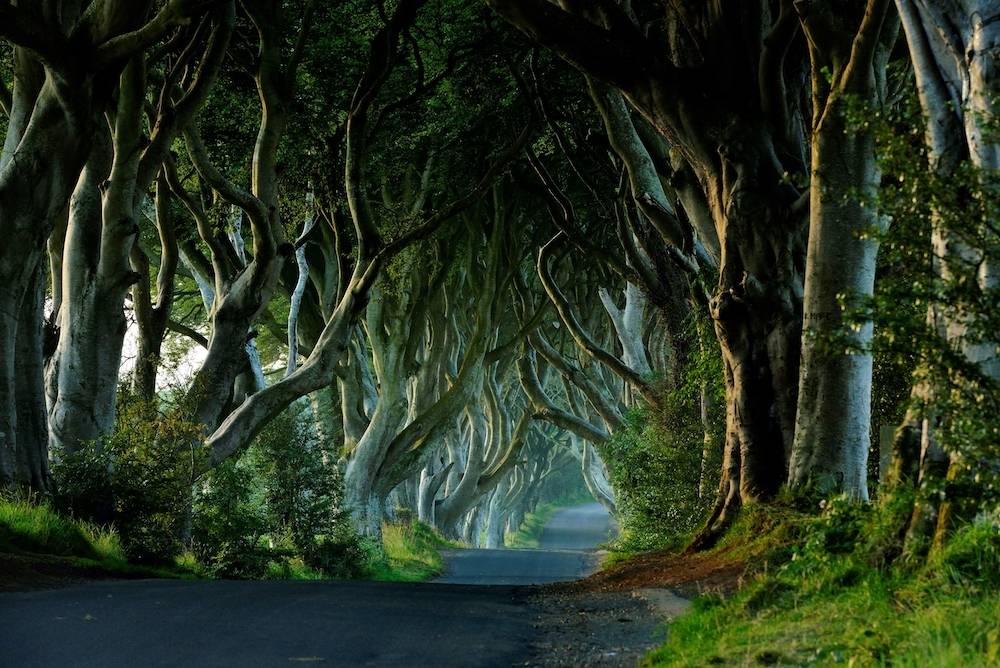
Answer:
(833, 420)
(32, 432)
(756, 311)
(953, 47)
(34, 190)
(83, 372)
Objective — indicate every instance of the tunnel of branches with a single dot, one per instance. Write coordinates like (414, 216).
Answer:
(475, 255)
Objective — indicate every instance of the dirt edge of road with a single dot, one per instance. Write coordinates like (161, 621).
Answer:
(617, 615)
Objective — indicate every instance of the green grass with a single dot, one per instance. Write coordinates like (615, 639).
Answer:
(29, 527)
(823, 596)
(411, 553)
(293, 569)
(26, 526)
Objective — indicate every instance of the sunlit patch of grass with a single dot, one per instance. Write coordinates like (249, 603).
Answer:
(29, 526)
(412, 553)
(105, 541)
(293, 569)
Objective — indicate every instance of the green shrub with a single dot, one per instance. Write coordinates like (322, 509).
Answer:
(341, 554)
(277, 511)
(664, 486)
(140, 476)
(972, 556)
(301, 484)
(655, 473)
(229, 522)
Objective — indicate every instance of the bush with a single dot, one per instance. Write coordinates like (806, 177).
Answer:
(277, 511)
(140, 477)
(663, 488)
(229, 522)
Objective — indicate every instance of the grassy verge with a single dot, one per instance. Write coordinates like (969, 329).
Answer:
(823, 595)
(412, 553)
(38, 544)
(33, 531)
(530, 531)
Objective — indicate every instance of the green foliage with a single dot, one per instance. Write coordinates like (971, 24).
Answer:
(663, 488)
(229, 523)
(935, 316)
(140, 476)
(302, 486)
(812, 569)
(277, 510)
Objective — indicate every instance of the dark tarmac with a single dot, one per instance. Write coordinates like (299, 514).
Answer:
(283, 623)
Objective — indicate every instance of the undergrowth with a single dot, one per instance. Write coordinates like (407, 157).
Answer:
(832, 589)
(412, 553)
(31, 527)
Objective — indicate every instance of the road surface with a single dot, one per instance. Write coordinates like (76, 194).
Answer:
(282, 623)
(565, 552)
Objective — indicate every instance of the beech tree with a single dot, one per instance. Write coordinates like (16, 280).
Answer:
(67, 63)
(953, 49)
(734, 122)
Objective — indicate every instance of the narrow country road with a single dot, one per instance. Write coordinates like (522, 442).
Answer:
(565, 552)
(229, 623)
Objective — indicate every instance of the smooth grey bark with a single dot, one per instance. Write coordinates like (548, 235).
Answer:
(953, 46)
(481, 476)
(34, 190)
(295, 303)
(833, 416)
(152, 316)
(97, 275)
(387, 343)
(32, 433)
(595, 476)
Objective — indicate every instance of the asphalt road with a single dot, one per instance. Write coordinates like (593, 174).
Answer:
(565, 553)
(248, 624)
(577, 528)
